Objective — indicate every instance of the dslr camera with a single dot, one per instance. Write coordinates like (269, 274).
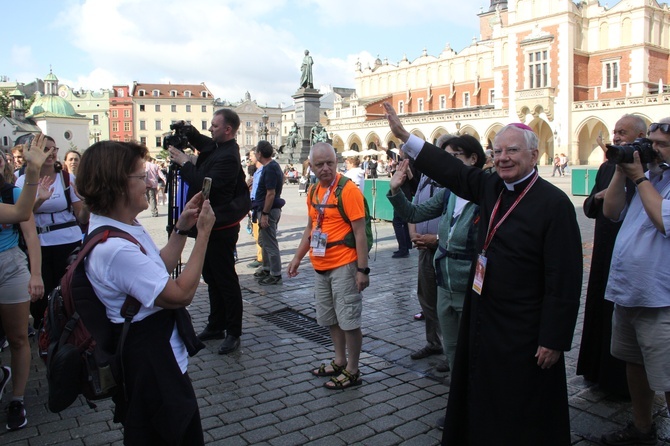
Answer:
(179, 138)
(624, 154)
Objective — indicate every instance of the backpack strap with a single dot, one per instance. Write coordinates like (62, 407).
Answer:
(8, 198)
(340, 207)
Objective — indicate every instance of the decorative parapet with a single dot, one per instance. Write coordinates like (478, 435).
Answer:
(655, 99)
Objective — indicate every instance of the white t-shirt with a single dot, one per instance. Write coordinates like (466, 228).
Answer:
(117, 268)
(54, 211)
(357, 175)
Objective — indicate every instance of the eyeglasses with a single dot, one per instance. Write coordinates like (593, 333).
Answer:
(663, 127)
(141, 177)
(511, 151)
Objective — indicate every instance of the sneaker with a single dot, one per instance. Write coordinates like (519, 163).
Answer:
(270, 280)
(31, 331)
(630, 435)
(419, 316)
(254, 264)
(4, 343)
(443, 367)
(16, 416)
(260, 273)
(6, 376)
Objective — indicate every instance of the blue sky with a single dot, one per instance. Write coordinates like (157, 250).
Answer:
(233, 46)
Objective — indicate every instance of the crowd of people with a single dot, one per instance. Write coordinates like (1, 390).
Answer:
(499, 277)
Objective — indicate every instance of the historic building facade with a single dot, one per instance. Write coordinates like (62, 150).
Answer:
(256, 123)
(569, 70)
(92, 104)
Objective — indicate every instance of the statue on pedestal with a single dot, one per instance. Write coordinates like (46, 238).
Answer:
(306, 78)
(318, 134)
(293, 136)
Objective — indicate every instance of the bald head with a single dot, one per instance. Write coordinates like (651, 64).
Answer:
(323, 161)
(628, 128)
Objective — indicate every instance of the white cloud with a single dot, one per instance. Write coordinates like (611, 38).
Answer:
(236, 46)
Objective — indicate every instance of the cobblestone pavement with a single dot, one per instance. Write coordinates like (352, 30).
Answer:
(263, 393)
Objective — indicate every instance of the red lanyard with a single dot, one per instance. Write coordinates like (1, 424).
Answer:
(321, 209)
(490, 233)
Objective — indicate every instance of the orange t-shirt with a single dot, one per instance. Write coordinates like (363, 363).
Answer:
(334, 225)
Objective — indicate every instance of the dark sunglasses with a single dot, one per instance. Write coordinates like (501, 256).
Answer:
(665, 128)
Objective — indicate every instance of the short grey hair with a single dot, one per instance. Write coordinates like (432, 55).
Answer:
(529, 136)
(321, 145)
(443, 140)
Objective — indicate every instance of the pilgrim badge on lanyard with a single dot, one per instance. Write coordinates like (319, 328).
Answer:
(480, 271)
(318, 244)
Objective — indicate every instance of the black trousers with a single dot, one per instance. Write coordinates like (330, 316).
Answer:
(401, 229)
(54, 263)
(225, 296)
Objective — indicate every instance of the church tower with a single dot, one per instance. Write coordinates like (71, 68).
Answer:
(496, 3)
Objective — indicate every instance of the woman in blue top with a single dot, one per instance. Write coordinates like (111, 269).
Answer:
(18, 286)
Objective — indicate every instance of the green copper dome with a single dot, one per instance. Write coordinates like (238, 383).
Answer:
(54, 105)
(51, 77)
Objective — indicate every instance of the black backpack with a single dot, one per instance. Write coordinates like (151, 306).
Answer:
(77, 341)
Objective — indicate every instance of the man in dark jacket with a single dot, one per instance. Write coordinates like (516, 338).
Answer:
(219, 160)
(508, 386)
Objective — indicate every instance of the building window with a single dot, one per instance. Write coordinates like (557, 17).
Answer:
(401, 107)
(248, 124)
(187, 94)
(158, 141)
(120, 93)
(188, 109)
(126, 113)
(272, 139)
(611, 75)
(141, 93)
(126, 138)
(141, 107)
(492, 96)
(126, 126)
(173, 93)
(159, 125)
(354, 110)
(96, 120)
(272, 124)
(443, 102)
(115, 113)
(5, 141)
(203, 94)
(115, 126)
(155, 93)
(538, 69)
(203, 125)
(204, 109)
(157, 107)
(143, 140)
(419, 104)
(173, 108)
(248, 140)
(466, 99)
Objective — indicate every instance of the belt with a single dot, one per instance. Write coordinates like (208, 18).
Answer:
(45, 229)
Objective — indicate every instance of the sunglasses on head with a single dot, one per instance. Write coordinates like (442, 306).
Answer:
(665, 128)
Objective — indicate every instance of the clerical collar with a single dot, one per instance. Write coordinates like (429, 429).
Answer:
(510, 186)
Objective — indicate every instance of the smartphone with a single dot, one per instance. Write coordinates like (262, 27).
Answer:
(206, 187)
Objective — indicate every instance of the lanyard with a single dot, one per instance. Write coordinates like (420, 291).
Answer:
(321, 209)
(490, 233)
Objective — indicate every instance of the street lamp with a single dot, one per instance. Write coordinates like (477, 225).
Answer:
(265, 130)
(458, 127)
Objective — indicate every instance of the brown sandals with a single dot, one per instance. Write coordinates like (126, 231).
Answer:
(344, 381)
(322, 371)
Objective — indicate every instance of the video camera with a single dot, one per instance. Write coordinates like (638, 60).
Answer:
(624, 153)
(178, 139)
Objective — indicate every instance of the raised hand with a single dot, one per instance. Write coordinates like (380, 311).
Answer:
(397, 128)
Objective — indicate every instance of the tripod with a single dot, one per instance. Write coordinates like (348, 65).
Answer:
(176, 190)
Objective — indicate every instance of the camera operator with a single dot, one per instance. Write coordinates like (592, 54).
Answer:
(638, 283)
(219, 159)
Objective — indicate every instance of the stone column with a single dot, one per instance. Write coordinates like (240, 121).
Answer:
(307, 106)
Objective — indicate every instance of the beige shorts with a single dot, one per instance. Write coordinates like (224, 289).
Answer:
(338, 301)
(14, 276)
(642, 336)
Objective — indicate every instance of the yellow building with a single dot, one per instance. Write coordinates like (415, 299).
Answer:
(569, 70)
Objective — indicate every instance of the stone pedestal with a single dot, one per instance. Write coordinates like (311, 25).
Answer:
(307, 106)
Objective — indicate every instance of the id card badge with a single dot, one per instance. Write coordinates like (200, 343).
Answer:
(480, 271)
(319, 241)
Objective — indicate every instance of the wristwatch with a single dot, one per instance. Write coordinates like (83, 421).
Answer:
(641, 180)
(265, 213)
(365, 270)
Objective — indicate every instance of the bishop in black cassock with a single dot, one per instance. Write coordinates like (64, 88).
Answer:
(508, 386)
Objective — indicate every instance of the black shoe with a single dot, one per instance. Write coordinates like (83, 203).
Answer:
(426, 352)
(443, 367)
(208, 334)
(400, 255)
(440, 423)
(16, 416)
(229, 345)
(630, 435)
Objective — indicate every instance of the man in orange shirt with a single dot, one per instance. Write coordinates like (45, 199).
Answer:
(341, 271)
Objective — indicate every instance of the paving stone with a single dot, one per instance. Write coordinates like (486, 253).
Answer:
(262, 434)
